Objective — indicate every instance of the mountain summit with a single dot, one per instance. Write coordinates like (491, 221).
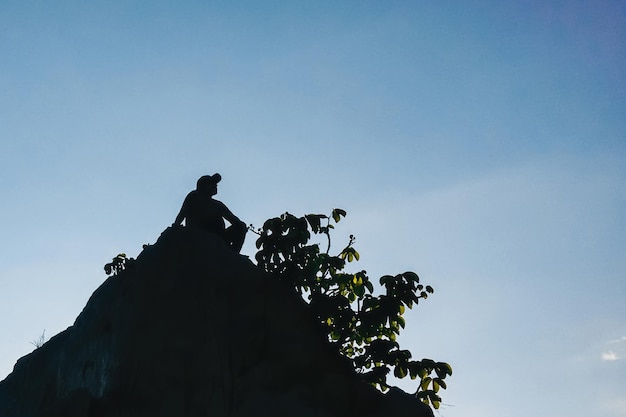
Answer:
(192, 329)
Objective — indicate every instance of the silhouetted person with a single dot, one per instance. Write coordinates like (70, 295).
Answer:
(200, 210)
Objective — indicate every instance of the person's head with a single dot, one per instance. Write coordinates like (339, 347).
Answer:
(208, 183)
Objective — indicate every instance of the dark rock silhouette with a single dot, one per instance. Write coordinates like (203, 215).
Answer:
(193, 329)
(200, 210)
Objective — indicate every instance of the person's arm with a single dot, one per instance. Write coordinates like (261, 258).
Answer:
(179, 218)
(182, 213)
(228, 215)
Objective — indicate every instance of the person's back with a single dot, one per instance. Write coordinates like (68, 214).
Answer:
(204, 212)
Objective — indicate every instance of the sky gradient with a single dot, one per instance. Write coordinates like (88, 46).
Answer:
(479, 144)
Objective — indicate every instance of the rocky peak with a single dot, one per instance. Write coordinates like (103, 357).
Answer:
(191, 328)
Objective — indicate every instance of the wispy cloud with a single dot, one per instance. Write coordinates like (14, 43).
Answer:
(615, 349)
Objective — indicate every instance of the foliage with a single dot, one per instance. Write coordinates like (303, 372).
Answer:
(118, 264)
(362, 326)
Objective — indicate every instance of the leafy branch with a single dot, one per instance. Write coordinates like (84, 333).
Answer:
(362, 326)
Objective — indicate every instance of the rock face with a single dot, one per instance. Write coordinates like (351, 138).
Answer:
(192, 329)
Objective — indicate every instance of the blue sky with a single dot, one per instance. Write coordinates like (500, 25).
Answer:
(480, 144)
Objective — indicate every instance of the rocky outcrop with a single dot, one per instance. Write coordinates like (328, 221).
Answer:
(192, 329)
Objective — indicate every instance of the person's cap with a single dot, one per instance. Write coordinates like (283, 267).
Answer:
(215, 178)
(209, 179)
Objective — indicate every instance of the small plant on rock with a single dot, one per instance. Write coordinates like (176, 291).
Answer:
(39, 342)
(118, 264)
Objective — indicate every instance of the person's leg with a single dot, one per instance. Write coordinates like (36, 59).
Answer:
(235, 236)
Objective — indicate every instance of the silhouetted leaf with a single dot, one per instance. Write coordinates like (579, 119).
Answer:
(439, 382)
(359, 291)
(385, 279)
(337, 213)
(411, 276)
(399, 372)
(315, 221)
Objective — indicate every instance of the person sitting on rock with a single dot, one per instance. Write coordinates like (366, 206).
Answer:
(200, 210)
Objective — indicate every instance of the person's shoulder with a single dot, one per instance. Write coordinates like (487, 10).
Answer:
(192, 195)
